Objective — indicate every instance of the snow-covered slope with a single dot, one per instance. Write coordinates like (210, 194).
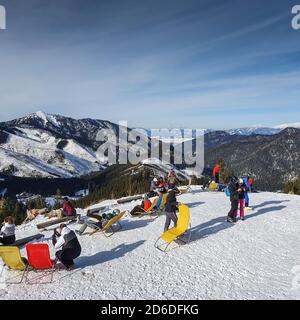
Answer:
(67, 144)
(40, 150)
(255, 259)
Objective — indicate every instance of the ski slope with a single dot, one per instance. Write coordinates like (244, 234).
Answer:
(254, 259)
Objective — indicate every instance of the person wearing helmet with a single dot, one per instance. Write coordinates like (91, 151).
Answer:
(234, 198)
(153, 187)
(242, 189)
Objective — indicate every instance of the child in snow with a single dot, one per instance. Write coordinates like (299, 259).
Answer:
(68, 244)
(7, 233)
(234, 199)
(242, 189)
(171, 207)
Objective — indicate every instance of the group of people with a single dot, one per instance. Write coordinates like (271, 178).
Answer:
(66, 242)
(238, 190)
(159, 186)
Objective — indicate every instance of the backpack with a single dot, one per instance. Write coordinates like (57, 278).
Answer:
(227, 192)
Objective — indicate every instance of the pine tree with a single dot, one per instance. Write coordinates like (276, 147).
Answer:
(225, 172)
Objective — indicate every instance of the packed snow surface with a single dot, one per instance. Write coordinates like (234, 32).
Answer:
(255, 259)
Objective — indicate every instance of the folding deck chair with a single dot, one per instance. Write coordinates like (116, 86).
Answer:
(213, 186)
(39, 262)
(109, 227)
(11, 257)
(171, 235)
(158, 203)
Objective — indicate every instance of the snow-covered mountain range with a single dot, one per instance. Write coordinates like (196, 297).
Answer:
(261, 130)
(46, 145)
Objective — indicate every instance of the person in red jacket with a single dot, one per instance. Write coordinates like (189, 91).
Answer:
(216, 173)
(68, 209)
(143, 207)
(162, 185)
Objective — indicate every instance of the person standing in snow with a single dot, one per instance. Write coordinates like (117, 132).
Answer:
(170, 209)
(68, 210)
(7, 233)
(68, 244)
(171, 177)
(242, 190)
(234, 199)
(216, 173)
(249, 183)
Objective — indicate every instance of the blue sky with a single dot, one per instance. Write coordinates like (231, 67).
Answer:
(158, 63)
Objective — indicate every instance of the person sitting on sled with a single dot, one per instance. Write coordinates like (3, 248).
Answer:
(69, 247)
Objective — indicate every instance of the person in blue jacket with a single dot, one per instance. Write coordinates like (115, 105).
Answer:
(248, 188)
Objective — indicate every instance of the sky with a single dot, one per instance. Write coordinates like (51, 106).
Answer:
(155, 63)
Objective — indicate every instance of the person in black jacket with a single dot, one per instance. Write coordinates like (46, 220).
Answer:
(234, 199)
(69, 245)
(171, 207)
